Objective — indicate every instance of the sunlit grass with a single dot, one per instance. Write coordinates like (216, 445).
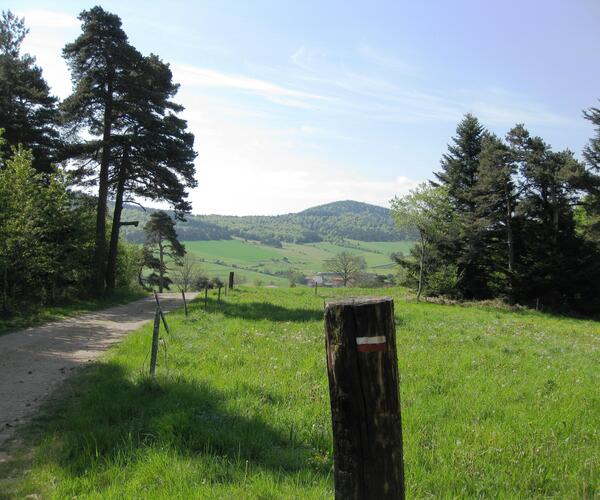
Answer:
(495, 403)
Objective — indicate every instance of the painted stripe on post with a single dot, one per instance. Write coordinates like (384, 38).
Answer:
(371, 344)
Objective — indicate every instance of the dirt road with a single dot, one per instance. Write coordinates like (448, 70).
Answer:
(34, 362)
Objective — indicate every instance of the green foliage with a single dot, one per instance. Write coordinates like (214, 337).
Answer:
(443, 281)
(347, 265)
(46, 235)
(161, 246)
(129, 261)
(28, 112)
(335, 222)
(518, 234)
(495, 403)
(428, 210)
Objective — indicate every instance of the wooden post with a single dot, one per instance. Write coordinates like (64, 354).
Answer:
(162, 315)
(316, 286)
(154, 350)
(184, 303)
(231, 280)
(205, 298)
(362, 366)
(219, 296)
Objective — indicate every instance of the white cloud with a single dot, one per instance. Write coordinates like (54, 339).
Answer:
(49, 31)
(245, 169)
(191, 75)
(48, 19)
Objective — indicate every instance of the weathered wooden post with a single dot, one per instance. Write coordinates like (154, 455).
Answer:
(219, 296)
(362, 366)
(205, 297)
(316, 286)
(184, 303)
(231, 280)
(162, 315)
(154, 349)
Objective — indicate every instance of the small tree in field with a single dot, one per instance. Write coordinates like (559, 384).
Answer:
(185, 273)
(428, 210)
(347, 265)
(161, 239)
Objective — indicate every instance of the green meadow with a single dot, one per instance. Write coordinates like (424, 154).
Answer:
(495, 403)
(255, 261)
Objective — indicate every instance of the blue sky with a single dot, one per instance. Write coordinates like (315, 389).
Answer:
(299, 103)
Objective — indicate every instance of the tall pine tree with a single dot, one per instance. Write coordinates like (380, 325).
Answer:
(154, 152)
(100, 60)
(459, 176)
(495, 196)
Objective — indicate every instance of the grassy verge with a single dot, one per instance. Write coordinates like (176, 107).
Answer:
(495, 404)
(32, 316)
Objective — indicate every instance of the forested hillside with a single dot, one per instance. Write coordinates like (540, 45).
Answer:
(331, 222)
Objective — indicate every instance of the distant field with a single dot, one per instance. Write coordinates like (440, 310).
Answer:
(256, 261)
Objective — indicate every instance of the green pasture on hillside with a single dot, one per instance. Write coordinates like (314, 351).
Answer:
(495, 403)
(249, 257)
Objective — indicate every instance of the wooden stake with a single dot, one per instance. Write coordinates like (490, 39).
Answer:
(231, 280)
(205, 298)
(162, 315)
(219, 296)
(365, 402)
(316, 286)
(184, 303)
(154, 349)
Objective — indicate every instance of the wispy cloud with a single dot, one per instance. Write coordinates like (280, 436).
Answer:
(378, 97)
(196, 76)
(378, 57)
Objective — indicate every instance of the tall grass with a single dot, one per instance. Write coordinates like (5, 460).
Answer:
(495, 404)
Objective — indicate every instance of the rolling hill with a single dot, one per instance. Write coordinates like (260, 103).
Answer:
(333, 222)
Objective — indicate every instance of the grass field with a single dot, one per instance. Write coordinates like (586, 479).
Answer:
(257, 262)
(494, 404)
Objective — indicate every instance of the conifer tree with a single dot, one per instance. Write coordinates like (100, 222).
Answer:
(495, 196)
(28, 112)
(459, 176)
(153, 151)
(100, 60)
(161, 244)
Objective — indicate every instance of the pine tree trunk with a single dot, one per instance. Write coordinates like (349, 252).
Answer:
(510, 237)
(5, 289)
(421, 263)
(116, 226)
(100, 256)
(161, 271)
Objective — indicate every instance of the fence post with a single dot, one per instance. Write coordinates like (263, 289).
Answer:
(162, 315)
(154, 350)
(365, 403)
(205, 297)
(231, 280)
(316, 286)
(184, 303)
(219, 296)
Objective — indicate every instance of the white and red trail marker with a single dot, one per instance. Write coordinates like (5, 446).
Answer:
(371, 344)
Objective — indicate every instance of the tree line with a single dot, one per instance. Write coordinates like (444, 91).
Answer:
(119, 131)
(508, 217)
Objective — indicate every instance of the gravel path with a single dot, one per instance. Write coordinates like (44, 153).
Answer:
(34, 362)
